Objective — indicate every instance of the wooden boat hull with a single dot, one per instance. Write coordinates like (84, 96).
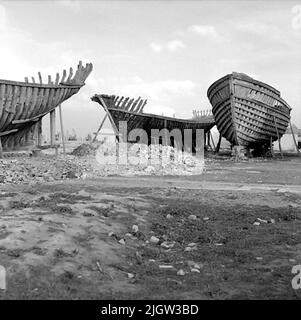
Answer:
(23, 104)
(148, 122)
(248, 112)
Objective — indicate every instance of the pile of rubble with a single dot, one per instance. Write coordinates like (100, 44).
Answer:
(41, 169)
(90, 161)
(140, 159)
(85, 149)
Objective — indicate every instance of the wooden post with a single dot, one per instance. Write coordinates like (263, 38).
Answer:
(296, 145)
(213, 144)
(219, 143)
(278, 137)
(271, 147)
(62, 129)
(1, 150)
(52, 127)
(39, 133)
(100, 127)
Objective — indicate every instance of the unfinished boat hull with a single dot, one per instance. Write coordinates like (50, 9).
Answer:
(131, 111)
(23, 104)
(248, 112)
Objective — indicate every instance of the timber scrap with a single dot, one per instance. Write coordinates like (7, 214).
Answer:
(23, 104)
(131, 110)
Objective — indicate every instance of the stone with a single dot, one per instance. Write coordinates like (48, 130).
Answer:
(135, 228)
(154, 240)
(122, 241)
(256, 223)
(192, 244)
(168, 244)
(192, 217)
(164, 266)
(195, 270)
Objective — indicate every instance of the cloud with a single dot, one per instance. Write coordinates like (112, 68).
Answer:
(73, 5)
(203, 30)
(157, 90)
(174, 45)
(156, 47)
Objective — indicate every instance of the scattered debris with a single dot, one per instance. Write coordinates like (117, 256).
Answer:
(164, 266)
(102, 271)
(131, 275)
(181, 272)
(262, 220)
(168, 244)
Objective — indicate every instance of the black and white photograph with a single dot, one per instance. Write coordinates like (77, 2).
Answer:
(150, 151)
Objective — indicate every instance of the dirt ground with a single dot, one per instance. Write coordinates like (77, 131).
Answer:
(156, 237)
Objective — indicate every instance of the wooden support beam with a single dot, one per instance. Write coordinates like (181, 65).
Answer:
(100, 127)
(278, 137)
(52, 127)
(109, 115)
(62, 129)
(7, 132)
(218, 143)
(296, 145)
(40, 142)
(271, 147)
(213, 144)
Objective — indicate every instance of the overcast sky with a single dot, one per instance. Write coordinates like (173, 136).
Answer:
(166, 51)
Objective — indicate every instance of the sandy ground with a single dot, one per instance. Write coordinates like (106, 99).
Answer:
(196, 237)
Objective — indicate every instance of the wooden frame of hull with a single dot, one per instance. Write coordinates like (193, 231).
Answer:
(248, 112)
(136, 119)
(23, 104)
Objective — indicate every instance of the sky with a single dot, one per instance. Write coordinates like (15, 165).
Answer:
(166, 51)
